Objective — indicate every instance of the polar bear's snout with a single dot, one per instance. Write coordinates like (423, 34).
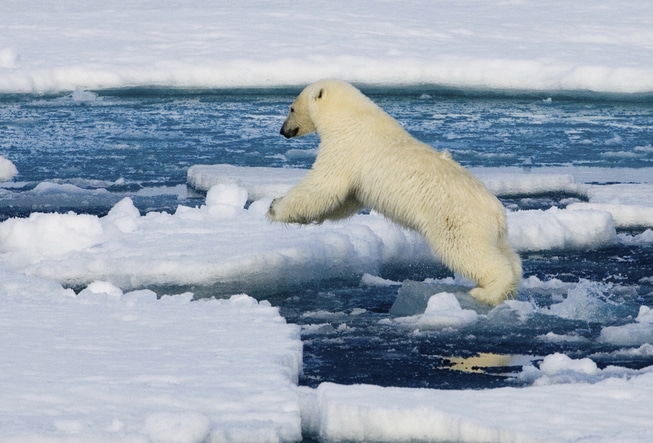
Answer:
(288, 133)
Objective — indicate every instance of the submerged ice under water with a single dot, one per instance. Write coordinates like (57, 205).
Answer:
(86, 151)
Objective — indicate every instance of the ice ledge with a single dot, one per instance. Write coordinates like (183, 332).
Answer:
(336, 413)
(104, 365)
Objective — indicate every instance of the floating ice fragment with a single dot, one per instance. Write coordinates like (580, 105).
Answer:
(510, 311)
(645, 315)
(643, 351)
(552, 337)
(7, 169)
(317, 329)
(442, 311)
(80, 95)
(587, 301)
(554, 284)
(57, 188)
(632, 334)
(373, 280)
(413, 297)
(561, 369)
(644, 237)
(557, 363)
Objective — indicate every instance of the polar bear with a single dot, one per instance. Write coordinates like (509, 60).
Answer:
(366, 159)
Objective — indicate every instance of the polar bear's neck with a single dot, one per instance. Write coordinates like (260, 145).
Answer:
(356, 117)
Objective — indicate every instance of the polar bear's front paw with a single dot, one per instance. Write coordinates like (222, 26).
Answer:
(272, 212)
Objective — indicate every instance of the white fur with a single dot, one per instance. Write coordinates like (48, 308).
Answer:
(366, 159)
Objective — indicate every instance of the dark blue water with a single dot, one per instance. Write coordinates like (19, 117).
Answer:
(151, 137)
(140, 143)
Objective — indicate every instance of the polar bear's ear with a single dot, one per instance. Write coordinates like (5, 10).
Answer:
(319, 94)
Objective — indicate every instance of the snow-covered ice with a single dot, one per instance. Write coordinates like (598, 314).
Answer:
(631, 334)
(220, 243)
(104, 365)
(514, 45)
(603, 411)
(260, 182)
(158, 374)
(137, 353)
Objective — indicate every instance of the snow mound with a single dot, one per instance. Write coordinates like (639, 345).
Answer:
(443, 311)
(226, 201)
(50, 234)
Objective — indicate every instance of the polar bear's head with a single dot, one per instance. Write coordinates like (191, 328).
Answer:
(314, 104)
(299, 120)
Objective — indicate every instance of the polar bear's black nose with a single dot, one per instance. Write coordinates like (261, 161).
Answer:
(288, 133)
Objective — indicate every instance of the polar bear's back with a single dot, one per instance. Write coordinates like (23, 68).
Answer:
(392, 172)
(416, 189)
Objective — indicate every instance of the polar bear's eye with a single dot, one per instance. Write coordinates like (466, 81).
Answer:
(292, 109)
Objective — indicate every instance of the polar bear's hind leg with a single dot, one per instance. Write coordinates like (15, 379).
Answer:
(492, 265)
(500, 275)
